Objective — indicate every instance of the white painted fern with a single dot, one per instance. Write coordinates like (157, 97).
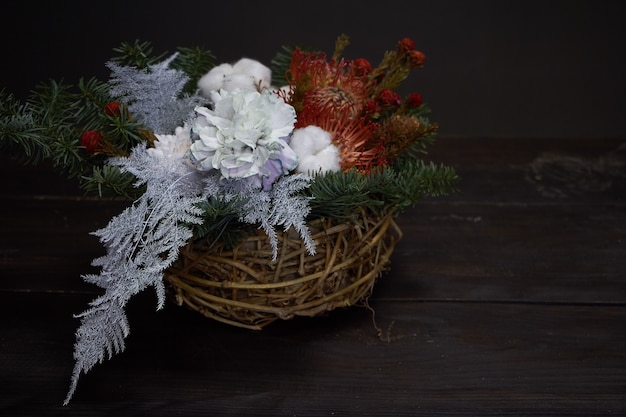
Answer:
(282, 206)
(145, 239)
(154, 94)
(140, 243)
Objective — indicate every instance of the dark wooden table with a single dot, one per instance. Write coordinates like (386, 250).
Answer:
(507, 299)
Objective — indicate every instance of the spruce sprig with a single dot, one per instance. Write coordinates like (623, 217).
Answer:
(21, 135)
(194, 62)
(339, 194)
(138, 54)
(220, 222)
(109, 181)
(280, 64)
(48, 125)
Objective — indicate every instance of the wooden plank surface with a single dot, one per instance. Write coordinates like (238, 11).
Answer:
(513, 359)
(507, 298)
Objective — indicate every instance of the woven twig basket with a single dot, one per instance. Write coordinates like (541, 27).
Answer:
(245, 288)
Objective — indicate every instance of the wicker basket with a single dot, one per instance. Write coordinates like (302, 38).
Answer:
(243, 287)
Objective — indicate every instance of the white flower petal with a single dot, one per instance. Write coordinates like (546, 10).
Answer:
(243, 133)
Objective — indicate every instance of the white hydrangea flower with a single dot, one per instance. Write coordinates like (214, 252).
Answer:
(246, 73)
(245, 136)
(315, 150)
(172, 146)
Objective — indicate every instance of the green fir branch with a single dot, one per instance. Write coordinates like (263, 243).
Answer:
(194, 62)
(109, 181)
(279, 65)
(220, 222)
(21, 135)
(138, 54)
(412, 181)
(340, 194)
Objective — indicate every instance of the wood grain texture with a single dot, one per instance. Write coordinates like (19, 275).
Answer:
(505, 299)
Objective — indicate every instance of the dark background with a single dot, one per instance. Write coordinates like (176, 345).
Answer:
(502, 69)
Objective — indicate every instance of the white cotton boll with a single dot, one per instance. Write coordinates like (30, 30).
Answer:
(245, 73)
(308, 165)
(261, 74)
(236, 80)
(328, 159)
(315, 150)
(214, 79)
(324, 161)
(309, 140)
(301, 145)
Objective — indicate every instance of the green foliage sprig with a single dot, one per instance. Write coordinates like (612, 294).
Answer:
(49, 124)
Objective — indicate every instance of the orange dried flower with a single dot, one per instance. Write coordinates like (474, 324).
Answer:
(361, 67)
(405, 45)
(337, 83)
(416, 59)
(414, 100)
(388, 98)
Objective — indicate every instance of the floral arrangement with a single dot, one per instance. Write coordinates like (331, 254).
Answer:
(213, 152)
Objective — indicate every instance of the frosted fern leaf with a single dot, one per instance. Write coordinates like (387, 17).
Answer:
(141, 242)
(145, 239)
(154, 95)
(281, 206)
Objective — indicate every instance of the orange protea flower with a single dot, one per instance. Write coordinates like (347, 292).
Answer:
(333, 94)
(340, 83)
(350, 134)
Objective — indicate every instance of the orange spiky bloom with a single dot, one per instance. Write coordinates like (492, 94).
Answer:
(334, 83)
(332, 95)
(349, 133)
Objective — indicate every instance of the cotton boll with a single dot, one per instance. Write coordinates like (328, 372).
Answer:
(315, 150)
(309, 140)
(245, 73)
(237, 80)
(214, 79)
(328, 159)
(261, 74)
(324, 161)
(308, 165)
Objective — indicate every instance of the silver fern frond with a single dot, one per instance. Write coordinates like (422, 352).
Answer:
(140, 243)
